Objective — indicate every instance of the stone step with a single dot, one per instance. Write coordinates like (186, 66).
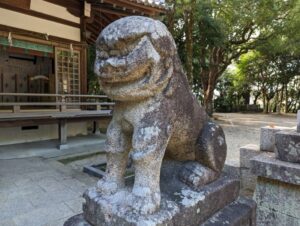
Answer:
(240, 212)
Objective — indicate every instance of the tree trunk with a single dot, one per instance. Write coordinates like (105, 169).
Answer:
(286, 110)
(189, 25)
(264, 102)
(171, 16)
(208, 101)
(281, 98)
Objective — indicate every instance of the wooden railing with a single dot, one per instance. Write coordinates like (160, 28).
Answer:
(56, 101)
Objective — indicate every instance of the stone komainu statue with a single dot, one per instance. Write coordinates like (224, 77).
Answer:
(155, 116)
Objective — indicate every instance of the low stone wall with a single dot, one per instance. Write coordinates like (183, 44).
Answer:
(248, 179)
(277, 191)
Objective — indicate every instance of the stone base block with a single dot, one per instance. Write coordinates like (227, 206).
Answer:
(266, 165)
(287, 145)
(267, 137)
(248, 179)
(180, 204)
(241, 212)
(278, 203)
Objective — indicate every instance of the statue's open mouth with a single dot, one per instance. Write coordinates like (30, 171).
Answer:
(132, 75)
(133, 67)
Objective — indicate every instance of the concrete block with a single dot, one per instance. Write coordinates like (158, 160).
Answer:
(240, 212)
(180, 203)
(183, 206)
(246, 153)
(266, 165)
(278, 203)
(237, 213)
(248, 182)
(267, 137)
(287, 145)
(274, 218)
(248, 179)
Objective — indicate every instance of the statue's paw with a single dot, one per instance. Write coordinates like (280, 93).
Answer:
(143, 201)
(194, 174)
(108, 187)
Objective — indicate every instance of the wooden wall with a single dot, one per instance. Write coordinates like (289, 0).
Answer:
(17, 73)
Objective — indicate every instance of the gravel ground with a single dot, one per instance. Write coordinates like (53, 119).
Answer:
(242, 129)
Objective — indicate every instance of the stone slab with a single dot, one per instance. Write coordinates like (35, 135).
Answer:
(248, 179)
(267, 137)
(240, 212)
(246, 153)
(180, 204)
(287, 146)
(248, 182)
(266, 165)
(278, 203)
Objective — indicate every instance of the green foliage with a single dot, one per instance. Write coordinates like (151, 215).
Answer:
(223, 30)
(93, 83)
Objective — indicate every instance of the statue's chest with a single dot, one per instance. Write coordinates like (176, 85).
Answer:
(135, 114)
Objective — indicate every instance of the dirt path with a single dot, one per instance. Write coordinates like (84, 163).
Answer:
(242, 129)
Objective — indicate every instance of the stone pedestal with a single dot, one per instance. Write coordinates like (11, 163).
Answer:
(213, 204)
(248, 179)
(277, 191)
(267, 137)
(288, 146)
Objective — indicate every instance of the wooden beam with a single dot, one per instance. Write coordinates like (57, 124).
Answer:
(94, 30)
(24, 4)
(128, 5)
(2, 84)
(26, 35)
(114, 11)
(139, 5)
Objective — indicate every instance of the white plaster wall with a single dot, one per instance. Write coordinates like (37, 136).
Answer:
(16, 135)
(53, 10)
(31, 23)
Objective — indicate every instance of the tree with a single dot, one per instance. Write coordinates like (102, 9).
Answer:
(223, 30)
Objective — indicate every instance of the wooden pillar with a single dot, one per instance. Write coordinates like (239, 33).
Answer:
(2, 85)
(16, 87)
(63, 133)
(16, 109)
(97, 127)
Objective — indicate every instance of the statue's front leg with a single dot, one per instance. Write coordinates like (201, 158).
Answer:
(117, 147)
(149, 145)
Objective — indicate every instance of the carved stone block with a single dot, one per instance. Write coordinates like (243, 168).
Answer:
(287, 145)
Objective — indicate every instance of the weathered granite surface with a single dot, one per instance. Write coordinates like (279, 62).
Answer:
(267, 137)
(241, 212)
(278, 203)
(266, 165)
(287, 145)
(155, 115)
(180, 205)
(248, 179)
